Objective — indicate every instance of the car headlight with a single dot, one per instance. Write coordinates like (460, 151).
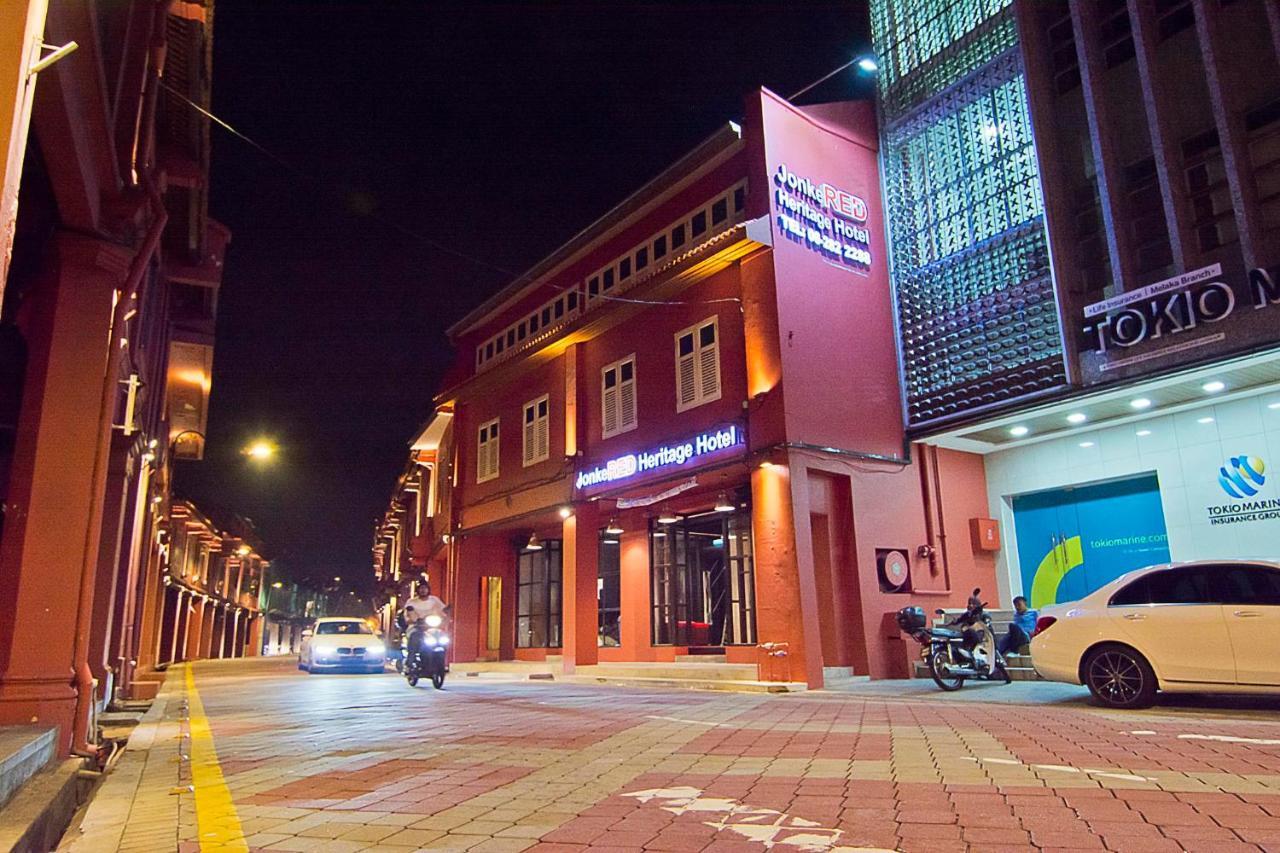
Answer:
(375, 651)
(324, 649)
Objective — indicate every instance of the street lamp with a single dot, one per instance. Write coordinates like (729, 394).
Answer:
(260, 450)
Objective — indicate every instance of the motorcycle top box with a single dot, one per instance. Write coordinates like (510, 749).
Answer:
(911, 619)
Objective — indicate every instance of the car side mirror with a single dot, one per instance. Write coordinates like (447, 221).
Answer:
(306, 633)
(940, 612)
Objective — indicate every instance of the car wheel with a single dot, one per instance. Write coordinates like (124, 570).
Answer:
(1120, 677)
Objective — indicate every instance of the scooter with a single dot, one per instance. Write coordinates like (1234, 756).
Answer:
(425, 652)
(962, 649)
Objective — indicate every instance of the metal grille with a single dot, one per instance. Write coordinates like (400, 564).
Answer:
(924, 46)
(966, 215)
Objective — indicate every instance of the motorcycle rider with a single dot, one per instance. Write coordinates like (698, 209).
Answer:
(420, 605)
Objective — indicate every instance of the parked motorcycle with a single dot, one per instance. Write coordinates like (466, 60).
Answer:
(962, 649)
(425, 652)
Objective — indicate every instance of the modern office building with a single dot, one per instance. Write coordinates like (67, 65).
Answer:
(1083, 204)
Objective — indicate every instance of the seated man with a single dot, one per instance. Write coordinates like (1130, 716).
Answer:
(1019, 634)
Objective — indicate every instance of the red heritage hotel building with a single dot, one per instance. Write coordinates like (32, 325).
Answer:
(681, 434)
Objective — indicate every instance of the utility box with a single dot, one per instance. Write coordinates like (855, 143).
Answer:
(985, 533)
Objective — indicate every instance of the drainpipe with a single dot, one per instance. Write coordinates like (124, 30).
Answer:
(83, 676)
(935, 533)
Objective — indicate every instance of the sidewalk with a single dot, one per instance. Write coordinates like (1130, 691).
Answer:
(135, 809)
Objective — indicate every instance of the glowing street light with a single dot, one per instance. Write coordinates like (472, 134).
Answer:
(261, 450)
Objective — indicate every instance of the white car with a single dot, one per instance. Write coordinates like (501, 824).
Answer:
(1203, 627)
(337, 643)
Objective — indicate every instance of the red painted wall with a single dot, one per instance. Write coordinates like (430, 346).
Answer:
(834, 321)
(651, 336)
(477, 407)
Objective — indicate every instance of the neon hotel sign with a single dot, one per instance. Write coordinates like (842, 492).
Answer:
(667, 456)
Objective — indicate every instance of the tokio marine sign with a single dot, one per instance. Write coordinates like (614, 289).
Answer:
(667, 456)
(1201, 312)
(823, 218)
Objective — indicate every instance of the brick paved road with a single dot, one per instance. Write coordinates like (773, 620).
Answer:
(345, 763)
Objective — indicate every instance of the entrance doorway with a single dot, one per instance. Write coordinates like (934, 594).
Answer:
(491, 616)
(703, 589)
(1076, 539)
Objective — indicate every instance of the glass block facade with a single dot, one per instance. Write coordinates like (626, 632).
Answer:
(976, 309)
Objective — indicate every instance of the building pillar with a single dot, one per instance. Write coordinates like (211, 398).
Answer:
(152, 618)
(786, 587)
(579, 604)
(210, 638)
(133, 552)
(196, 618)
(50, 537)
(105, 625)
(255, 636)
(234, 651)
(178, 641)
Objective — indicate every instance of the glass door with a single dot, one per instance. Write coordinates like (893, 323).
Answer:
(702, 584)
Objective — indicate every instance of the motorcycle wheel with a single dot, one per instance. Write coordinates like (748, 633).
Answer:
(399, 664)
(1003, 672)
(937, 664)
(437, 681)
(412, 679)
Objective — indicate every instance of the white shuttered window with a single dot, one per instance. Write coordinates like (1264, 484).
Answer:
(487, 452)
(698, 364)
(618, 397)
(537, 432)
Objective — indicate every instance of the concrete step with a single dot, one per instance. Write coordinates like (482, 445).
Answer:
(673, 671)
(1019, 666)
(730, 685)
(24, 752)
(40, 812)
(702, 658)
(508, 667)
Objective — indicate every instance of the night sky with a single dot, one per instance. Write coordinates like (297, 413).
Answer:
(496, 130)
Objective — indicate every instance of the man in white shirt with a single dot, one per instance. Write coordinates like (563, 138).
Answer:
(423, 604)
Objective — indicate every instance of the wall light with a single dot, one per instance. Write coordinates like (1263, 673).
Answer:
(1214, 387)
(1143, 433)
(1086, 444)
(565, 512)
(666, 516)
(1274, 406)
(1077, 418)
(723, 504)
(613, 529)
(1019, 431)
(1140, 403)
(1204, 420)
(534, 543)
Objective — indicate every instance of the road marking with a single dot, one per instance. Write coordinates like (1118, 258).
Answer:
(768, 827)
(1062, 768)
(690, 722)
(217, 822)
(1230, 739)
(1255, 741)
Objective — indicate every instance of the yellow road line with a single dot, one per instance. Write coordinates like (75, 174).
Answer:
(217, 823)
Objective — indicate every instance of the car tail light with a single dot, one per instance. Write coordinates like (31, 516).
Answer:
(1043, 624)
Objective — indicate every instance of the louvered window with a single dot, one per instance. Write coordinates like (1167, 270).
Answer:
(537, 433)
(618, 397)
(487, 452)
(698, 365)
